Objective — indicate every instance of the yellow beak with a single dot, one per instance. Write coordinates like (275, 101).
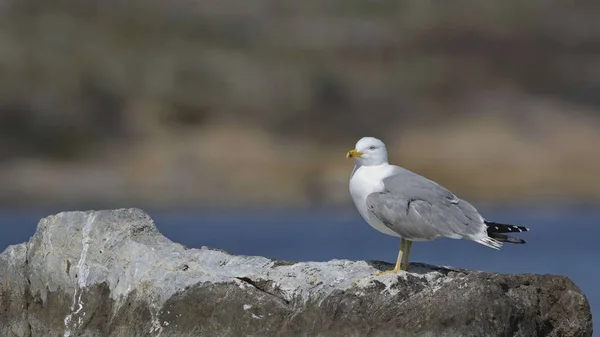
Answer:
(353, 154)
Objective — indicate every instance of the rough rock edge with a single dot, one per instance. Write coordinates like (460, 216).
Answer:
(159, 279)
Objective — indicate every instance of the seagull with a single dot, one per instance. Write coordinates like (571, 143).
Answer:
(400, 203)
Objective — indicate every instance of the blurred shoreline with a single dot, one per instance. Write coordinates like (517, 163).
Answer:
(238, 103)
(489, 160)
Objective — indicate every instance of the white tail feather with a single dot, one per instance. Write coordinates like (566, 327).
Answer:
(489, 242)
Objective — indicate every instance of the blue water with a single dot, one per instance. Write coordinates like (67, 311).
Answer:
(562, 241)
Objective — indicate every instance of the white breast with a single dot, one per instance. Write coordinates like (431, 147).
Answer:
(364, 181)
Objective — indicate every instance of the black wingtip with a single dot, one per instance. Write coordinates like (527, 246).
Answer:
(496, 227)
(496, 230)
(506, 238)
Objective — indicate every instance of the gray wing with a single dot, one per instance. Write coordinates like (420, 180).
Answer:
(418, 208)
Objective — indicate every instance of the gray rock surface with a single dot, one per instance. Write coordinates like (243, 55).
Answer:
(111, 273)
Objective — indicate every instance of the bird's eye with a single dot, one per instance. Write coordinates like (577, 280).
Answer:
(372, 148)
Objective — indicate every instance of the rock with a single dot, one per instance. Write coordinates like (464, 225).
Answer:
(111, 273)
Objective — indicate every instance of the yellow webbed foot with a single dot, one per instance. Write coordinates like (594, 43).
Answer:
(392, 271)
(398, 261)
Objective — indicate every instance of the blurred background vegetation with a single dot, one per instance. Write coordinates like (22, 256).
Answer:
(201, 103)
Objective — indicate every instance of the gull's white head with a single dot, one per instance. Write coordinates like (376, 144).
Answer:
(369, 151)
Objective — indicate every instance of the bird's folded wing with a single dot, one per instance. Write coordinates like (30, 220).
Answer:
(417, 206)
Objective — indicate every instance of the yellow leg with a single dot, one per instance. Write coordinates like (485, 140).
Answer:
(406, 255)
(398, 260)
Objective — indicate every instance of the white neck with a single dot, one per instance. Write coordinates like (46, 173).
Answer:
(364, 181)
(371, 161)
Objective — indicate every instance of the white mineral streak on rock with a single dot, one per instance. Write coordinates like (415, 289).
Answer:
(83, 272)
